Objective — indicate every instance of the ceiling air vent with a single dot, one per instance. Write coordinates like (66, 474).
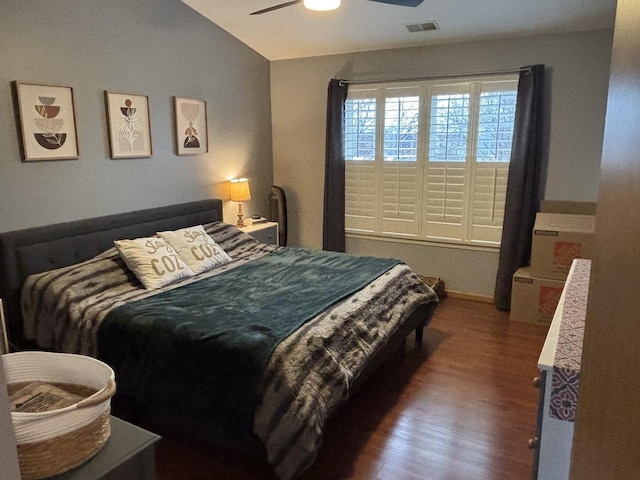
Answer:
(422, 26)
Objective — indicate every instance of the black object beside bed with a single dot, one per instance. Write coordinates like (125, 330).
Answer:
(27, 252)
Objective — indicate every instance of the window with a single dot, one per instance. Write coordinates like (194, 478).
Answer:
(429, 161)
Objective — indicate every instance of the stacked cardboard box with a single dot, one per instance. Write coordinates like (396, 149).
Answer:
(563, 231)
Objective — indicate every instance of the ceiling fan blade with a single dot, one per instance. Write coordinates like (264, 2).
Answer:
(403, 3)
(276, 7)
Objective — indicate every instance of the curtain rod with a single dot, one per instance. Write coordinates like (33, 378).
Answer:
(434, 77)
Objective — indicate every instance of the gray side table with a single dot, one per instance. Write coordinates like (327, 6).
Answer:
(129, 453)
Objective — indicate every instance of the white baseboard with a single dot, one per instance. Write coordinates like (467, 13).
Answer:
(470, 296)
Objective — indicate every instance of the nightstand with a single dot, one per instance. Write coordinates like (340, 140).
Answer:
(129, 453)
(266, 232)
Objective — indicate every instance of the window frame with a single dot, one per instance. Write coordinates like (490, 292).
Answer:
(376, 224)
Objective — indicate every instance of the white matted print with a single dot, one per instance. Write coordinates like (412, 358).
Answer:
(129, 125)
(191, 126)
(47, 122)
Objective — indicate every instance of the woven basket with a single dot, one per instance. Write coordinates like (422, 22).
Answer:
(50, 443)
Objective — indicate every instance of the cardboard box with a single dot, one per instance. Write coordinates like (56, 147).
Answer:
(534, 300)
(558, 239)
(572, 208)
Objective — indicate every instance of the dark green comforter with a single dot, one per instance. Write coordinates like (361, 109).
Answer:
(200, 349)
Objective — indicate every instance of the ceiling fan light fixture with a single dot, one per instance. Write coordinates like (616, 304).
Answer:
(322, 5)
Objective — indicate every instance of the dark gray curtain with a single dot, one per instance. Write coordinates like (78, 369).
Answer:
(523, 196)
(333, 220)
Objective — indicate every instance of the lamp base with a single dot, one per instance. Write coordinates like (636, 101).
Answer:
(240, 223)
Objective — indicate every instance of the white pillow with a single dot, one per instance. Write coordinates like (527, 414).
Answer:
(198, 250)
(153, 261)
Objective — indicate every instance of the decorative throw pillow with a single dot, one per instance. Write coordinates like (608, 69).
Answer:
(198, 250)
(153, 261)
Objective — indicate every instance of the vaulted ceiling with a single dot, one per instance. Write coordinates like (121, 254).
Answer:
(361, 25)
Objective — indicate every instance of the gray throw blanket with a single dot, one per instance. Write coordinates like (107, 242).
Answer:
(298, 399)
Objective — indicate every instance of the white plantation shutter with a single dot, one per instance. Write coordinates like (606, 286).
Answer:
(400, 199)
(448, 117)
(360, 144)
(495, 119)
(381, 193)
(445, 200)
(401, 124)
(360, 125)
(447, 173)
(400, 190)
(496, 115)
(489, 196)
(429, 160)
(361, 196)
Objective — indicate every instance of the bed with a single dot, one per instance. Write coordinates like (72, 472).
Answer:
(254, 354)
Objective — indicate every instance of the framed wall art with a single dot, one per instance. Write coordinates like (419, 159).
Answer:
(191, 126)
(129, 125)
(47, 121)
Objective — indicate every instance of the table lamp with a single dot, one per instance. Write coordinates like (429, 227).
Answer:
(239, 192)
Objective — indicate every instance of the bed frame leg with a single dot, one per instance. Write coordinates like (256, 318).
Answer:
(419, 332)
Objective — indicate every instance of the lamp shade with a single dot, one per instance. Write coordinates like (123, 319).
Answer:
(322, 5)
(239, 190)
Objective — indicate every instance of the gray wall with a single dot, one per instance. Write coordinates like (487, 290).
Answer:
(158, 48)
(576, 79)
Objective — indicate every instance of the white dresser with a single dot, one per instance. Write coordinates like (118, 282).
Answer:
(559, 365)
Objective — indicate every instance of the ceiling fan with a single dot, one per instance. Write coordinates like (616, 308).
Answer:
(333, 4)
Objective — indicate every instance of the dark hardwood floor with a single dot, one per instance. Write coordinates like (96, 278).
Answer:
(460, 408)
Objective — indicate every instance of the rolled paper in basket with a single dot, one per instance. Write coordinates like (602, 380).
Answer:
(91, 401)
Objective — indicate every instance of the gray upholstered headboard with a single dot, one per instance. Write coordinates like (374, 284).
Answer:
(35, 250)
